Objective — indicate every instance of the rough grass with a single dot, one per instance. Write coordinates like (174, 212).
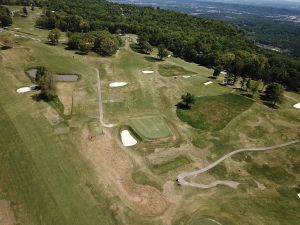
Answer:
(140, 177)
(151, 127)
(169, 70)
(170, 165)
(202, 221)
(213, 113)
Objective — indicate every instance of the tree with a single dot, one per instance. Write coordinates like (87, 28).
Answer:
(187, 101)
(105, 46)
(254, 87)
(74, 42)
(217, 71)
(248, 84)
(46, 83)
(5, 17)
(54, 36)
(85, 46)
(145, 47)
(162, 52)
(25, 12)
(274, 93)
(243, 82)
(32, 7)
(39, 74)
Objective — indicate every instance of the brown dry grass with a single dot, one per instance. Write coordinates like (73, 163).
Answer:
(113, 164)
(64, 91)
(6, 214)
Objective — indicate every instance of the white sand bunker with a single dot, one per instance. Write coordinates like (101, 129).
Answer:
(186, 76)
(147, 71)
(127, 139)
(27, 89)
(297, 106)
(117, 84)
(208, 83)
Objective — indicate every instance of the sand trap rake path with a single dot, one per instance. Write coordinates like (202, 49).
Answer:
(181, 177)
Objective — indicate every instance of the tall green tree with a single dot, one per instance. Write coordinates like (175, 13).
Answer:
(46, 84)
(186, 102)
(162, 52)
(217, 71)
(54, 36)
(25, 11)
(243, 82)
(274, 93)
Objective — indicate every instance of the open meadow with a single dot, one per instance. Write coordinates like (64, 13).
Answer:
(60, 164)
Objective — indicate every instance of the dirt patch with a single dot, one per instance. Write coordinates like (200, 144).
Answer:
(6, 214)
(114, 166)
(52, 116)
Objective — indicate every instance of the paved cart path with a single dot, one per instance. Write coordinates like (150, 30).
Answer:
(181, 177)
(101, 116)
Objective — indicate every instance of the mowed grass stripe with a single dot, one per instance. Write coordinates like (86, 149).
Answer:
(42, 177)
(170, 165)
(152, 127)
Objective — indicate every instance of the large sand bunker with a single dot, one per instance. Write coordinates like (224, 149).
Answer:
(127, 139)
(297, 106)
(117, 84)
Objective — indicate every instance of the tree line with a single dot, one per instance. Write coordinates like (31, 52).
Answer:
(207, 42)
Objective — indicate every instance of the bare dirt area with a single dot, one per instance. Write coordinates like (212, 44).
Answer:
(114, 166)
(6, 214)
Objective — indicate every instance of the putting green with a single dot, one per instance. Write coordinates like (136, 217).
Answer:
(150, 127)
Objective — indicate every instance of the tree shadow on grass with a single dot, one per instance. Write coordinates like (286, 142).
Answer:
(152, 59)
(247, 95)
(81, 53)
(267, 103)
(212, 77)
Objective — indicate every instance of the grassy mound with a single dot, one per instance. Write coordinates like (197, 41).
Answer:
(168, 70)
(213, 113)
(170, 165)
(150, 127)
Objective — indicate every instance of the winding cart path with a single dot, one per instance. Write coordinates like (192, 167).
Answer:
(181, 177)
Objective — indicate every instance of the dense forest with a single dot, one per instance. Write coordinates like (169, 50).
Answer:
(204, 41)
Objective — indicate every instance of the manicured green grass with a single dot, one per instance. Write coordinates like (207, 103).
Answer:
(150, 127)
(169, 70)
(170, 165)
(213, 113)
